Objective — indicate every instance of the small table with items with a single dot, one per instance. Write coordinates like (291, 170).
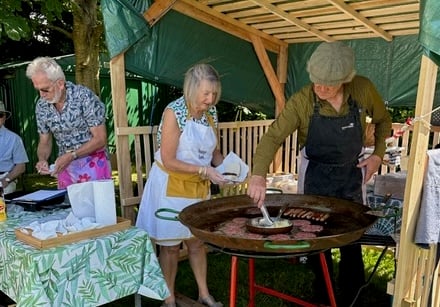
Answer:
(90, 272)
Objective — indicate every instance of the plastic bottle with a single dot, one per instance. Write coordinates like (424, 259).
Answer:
(3, 216)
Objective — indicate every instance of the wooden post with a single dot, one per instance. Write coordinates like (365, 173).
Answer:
(407, 291)
(276, 85)
(117, 74)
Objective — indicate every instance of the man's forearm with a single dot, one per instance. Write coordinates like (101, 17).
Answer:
(43, 152)
(16, 171)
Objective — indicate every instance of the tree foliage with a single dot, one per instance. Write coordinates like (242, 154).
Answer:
(400, 114)
(31, 28)
(34, 24)
(12, 26)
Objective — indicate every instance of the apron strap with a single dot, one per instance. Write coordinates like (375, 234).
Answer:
(210, 120)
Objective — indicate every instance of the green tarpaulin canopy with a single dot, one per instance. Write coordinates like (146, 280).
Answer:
(165, 51)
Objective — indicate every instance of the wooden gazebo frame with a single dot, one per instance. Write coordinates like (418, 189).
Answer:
(271, 27)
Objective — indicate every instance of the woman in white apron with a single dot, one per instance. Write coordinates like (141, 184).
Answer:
(181, 175)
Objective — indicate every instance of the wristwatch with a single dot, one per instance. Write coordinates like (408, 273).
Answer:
(74, 155)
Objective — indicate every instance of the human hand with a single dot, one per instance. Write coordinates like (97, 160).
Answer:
(4, 182)
(214, 176)
(371, 164)
(257, 189)
(42, 167)
(61, 163)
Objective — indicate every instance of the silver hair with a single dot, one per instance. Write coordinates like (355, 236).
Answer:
(193, 78)
(45, 65)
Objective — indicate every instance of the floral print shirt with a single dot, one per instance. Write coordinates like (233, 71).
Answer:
(71, 127)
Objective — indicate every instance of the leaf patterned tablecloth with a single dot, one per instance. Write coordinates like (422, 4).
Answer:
(87, 273)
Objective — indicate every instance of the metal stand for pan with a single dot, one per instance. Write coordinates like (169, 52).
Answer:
(254, 287)
(375, 240)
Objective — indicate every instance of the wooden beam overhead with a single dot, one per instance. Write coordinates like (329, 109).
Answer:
(364, 21)
(295, 21)
(317, 20)
(157, 10)
(220, 21)
(271, 76)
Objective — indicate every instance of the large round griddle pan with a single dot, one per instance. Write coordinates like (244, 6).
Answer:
(347, 222)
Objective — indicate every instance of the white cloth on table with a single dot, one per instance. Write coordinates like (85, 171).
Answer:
(428, 225)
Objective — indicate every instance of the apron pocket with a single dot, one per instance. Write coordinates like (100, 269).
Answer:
(177, 187)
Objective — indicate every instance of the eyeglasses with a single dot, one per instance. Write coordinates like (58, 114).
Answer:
(2, 115)
(47, 89)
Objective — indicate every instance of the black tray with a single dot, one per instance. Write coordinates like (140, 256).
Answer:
(51, 203)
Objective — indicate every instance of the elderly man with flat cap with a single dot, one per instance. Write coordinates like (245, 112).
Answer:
(13, 156)
(330, 117)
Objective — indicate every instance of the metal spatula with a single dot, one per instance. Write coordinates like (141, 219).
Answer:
(265, 221)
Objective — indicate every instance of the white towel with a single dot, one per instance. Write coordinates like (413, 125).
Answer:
(234, 158)
(428, 225)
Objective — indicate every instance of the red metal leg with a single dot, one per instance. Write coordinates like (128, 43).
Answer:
(252, 283)
(254, 288)
(327, 279)
(233, 284)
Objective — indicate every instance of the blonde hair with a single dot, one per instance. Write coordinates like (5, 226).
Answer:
(193, 78)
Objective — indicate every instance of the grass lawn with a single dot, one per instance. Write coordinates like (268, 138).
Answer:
(280, 274)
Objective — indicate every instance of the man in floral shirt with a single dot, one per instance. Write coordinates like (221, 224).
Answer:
(75, 117)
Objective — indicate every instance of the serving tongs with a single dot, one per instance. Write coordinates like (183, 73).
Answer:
(266, 220)
(281, 211)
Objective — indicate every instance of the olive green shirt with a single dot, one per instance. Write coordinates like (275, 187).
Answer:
(298, 111)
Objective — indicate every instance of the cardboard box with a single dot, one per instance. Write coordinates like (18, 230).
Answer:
(72, 237)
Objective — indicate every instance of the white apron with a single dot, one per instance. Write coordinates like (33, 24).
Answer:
(196, 145)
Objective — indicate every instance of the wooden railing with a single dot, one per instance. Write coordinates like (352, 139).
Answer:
(240, 137)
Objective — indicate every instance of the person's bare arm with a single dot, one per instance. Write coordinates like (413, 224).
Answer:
(371, 164)
(217, 157)
(169, 143)
(98, 141)
(44, 150)
(16, 171)
(257, 189)
(13, 174)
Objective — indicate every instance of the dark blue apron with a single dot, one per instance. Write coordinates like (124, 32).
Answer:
(333, 146)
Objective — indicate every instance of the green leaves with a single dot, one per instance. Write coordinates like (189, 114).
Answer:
(12, 24)
(24, 19)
